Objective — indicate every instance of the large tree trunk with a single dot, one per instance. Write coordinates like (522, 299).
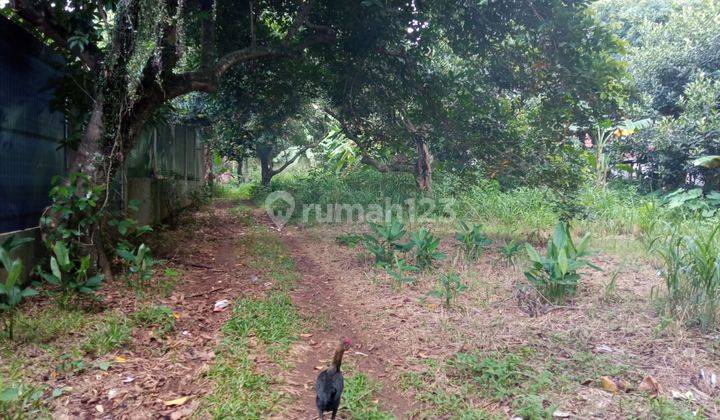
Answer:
(423, 170)
(265, 155)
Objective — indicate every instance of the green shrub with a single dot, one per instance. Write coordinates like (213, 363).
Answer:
(448, 287)
(692, 276)
(383, 242)
(11, 292)
(426, 246)
(555, 275)
(138, 266)
(473, 240)
(70, 276)
(510, 251)
(400, 271)
(350, 240)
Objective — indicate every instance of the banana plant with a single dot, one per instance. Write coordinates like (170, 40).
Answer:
(473, 240)
(426, 248)
(555, 275)
(11, 292)
(385, 240)
(605, 133)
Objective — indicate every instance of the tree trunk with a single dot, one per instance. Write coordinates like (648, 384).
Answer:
(240, 176)
(423, 174)
(209, 177)
(265, 155)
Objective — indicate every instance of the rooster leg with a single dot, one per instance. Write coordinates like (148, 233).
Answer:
(334, 414)
(321, 415)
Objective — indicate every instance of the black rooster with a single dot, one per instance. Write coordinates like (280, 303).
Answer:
(329, 383)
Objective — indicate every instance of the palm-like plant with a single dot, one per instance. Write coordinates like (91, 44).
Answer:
(11, 292)
(555, 275)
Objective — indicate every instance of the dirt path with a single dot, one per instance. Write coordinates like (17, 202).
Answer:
(320, 297)
(151, 371)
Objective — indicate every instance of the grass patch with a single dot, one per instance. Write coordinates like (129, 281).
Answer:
(267, 253)
(46, 325)
(359, 398)
(109, 334)
(239, 390)
(272, 323)
(235, 192)
(160, 318)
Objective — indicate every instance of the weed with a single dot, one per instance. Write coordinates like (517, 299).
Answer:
(532, 407)
(21, 400)
(692, 277)
(166, 284)
(425, 245)
(473, 240)
(139, 266)
(359, 398)
(662, 408)
(497, 376)
(510, 252)
(555, 275)
(70, 276)
(384, 241)
(400, 271)
(109, 334)
(350, 240)
(448, 287)
(11, 292)
(161, 318)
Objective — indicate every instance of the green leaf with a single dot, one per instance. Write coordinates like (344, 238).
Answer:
(55, 269)
(29, 292)
(533, 254)
(62, 254)
(94, 281)
(710, 162)
(50, 278)
(563, 262)
(5, 259)
(9, 394)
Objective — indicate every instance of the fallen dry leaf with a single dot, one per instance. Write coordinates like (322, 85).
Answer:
(649, 385)
(608, 385)
(176, 401)
(319, 367)
(120, 359)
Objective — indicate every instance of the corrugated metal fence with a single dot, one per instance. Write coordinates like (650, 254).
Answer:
(161, 171)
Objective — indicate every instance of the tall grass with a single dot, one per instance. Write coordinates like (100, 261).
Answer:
(692, 277)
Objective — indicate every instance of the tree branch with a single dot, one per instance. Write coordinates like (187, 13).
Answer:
(290, 162)
(41, 19)
(393, 166)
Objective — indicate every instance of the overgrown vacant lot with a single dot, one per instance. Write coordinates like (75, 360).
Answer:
(360, 209)
(497, 351)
